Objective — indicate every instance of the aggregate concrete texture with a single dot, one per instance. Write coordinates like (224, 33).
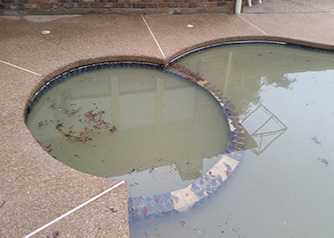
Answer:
(34, 187)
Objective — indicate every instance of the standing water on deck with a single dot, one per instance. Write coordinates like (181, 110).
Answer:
(283, 186)
(151, 129)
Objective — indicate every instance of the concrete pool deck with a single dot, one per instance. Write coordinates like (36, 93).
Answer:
(36, 189)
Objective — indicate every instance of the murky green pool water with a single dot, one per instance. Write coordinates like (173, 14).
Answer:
(151, 129)
(283, 186)
(160, 133)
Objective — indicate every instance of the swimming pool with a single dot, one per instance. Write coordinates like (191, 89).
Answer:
(283, 98)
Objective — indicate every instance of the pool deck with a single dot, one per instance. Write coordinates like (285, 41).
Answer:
(36, 189)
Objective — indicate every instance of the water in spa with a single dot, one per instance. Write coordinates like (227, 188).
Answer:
(156, 131)
(283, 186)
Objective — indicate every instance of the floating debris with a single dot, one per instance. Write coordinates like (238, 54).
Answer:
(48, 147)
(42, 123)
(59, 125)
(315, 140)
(145, 210)
(172, 171)
(324, 161)
(94, 123)
(228, 173)
(113, 129)
(74, 112)
(182, 223)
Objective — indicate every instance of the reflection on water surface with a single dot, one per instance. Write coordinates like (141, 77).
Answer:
(282, 187)
(154, 130)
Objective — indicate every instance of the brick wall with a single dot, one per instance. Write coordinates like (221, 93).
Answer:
(111, 4)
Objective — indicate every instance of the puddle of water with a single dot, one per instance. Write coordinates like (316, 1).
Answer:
(155, 131)
(282, 187)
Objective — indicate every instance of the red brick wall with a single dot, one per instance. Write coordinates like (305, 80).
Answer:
(108, 4)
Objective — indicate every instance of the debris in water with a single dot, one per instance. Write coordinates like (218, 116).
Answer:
(151, 170)
(182, 223)
(172, 171)
(133, 170)
(113, 129)
(74, 112)
(324, 161)
(315, 140)
(42, 123)
(145, 210)
(228, 173)
(59, 125)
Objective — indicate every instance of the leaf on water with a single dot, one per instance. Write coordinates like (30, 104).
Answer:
(324, 161)
(315, 140)
(172, 171)
(42, 123)
(182, 223)
(59, 125)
